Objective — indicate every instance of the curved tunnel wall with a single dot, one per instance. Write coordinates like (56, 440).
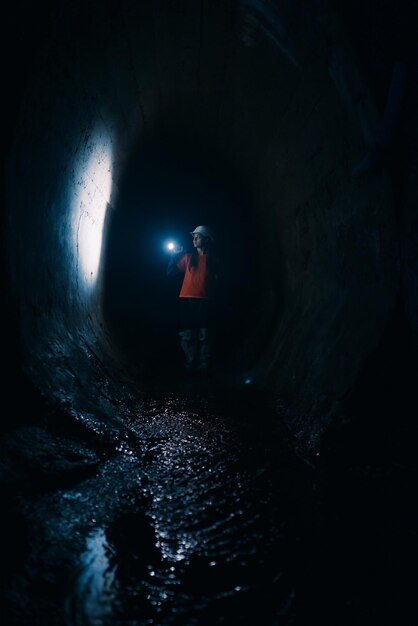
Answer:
(326, 249)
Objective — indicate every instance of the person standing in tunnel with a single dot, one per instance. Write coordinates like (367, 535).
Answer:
(200, 269)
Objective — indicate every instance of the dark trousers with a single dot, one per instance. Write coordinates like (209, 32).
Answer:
(195, 313)
(195, 325)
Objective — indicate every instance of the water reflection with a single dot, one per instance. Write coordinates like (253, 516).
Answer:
(206, 535)
(94, 591)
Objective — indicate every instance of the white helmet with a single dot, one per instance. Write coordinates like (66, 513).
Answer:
(203, 230)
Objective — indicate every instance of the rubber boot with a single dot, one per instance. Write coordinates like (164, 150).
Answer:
(189, 346)
(204, 350)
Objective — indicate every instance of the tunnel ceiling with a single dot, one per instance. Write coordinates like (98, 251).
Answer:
(278, 90)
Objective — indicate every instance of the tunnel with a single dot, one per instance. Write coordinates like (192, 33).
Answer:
(279, 489)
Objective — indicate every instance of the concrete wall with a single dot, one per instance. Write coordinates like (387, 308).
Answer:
(327, 254)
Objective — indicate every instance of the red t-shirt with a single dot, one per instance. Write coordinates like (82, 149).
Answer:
(196, 279)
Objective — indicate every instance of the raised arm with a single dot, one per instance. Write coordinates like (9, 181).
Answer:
(173, 268)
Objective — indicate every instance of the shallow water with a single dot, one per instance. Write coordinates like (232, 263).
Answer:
(208, 517)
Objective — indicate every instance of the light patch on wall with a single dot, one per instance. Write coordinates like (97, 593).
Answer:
(93, 188)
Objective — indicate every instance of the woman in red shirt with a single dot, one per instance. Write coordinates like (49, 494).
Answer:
(200, 268)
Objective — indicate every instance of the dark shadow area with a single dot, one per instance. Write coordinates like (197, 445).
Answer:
(168, 189)
(368, 469)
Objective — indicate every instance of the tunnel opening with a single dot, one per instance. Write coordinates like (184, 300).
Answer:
(130, 506)
(282, 113)
(170, 186)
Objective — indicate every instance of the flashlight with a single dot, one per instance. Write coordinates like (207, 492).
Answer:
(172, 246)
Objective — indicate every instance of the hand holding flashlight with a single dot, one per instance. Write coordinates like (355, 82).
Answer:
(172, 246)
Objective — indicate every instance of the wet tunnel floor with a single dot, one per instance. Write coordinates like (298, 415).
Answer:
(208, 517)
